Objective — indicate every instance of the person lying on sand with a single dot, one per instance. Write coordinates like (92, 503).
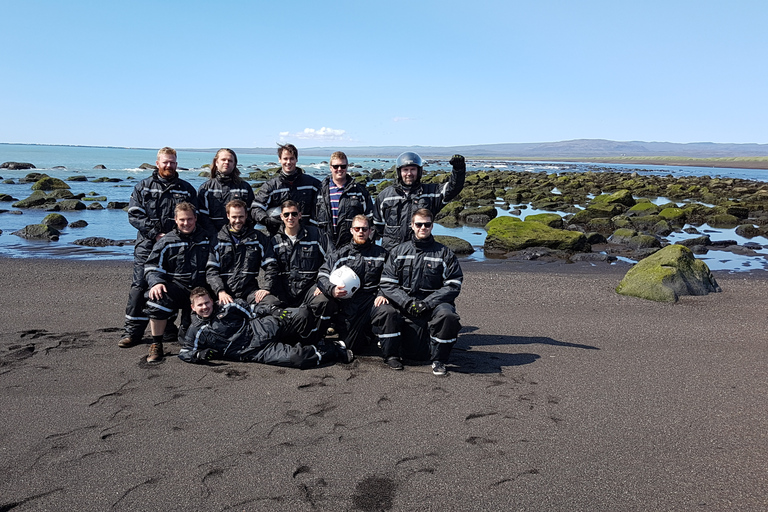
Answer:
(237, 332)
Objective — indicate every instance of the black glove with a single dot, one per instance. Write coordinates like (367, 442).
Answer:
(282, 315)
(458, 163)
(206, 354)
(417, 307)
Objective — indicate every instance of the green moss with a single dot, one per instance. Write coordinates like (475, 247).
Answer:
(49, 183)
(644, 209)
(619, 197)
(676, 215)
(667, 274)
(722, 220)
(552, 220)
(512, 234)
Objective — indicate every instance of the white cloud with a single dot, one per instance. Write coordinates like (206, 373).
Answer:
(323, 134)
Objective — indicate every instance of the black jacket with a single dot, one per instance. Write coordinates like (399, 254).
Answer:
(233, 331)
(421, 270)
(235, 261)
(395, 205)
(215, 193)
(179, 259)
(302, 189)
(367, 261)
(355, 200)
(152, 204)
(297, 264)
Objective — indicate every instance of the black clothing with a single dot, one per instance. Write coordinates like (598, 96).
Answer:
(426, 271)
(396, 204)
(235, 332)
(234, 263)
(354, 200)
(179, 260)
(215, 193)
(151, 212)
(354, 317)
(299, 187)
(297, 263)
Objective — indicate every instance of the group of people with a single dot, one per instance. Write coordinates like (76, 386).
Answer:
(199, 254)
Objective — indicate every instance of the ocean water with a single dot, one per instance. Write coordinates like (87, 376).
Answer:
(123, 163)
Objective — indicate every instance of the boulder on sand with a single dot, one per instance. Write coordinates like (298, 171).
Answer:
(666, 275)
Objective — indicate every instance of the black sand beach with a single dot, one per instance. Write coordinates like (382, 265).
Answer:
(562, 395)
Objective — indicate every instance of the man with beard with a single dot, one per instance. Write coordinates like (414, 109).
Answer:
(224, 186)
(290, 184)
(366, 259)
(151, 211)
(396, 204)
(339, 200)
(235, 332)
(421, 280)
(175, 266)
(240, 251)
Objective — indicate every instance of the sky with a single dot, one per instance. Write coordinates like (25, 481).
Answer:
(202, 74)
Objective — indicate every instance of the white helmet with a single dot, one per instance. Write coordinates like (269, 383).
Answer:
(346, 277)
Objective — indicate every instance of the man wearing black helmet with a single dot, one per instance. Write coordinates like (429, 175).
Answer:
(396, 204)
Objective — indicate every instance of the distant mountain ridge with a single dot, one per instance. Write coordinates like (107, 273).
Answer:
(578, 148)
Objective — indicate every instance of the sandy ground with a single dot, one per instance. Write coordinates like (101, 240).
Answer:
(562, 395)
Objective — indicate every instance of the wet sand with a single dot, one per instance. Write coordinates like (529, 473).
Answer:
(562, 395)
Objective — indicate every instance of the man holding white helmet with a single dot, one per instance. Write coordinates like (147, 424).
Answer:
(362, 261)
(396, 204)
(421, 280)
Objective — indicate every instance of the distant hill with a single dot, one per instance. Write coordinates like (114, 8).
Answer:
(579, 148)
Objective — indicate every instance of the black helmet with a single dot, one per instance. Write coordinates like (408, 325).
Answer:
(409, 158)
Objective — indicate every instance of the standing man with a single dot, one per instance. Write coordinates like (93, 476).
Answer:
(224, 185)
(240, 251)
(366, 259)
(234, 332)
(291, 183)
(396, 204)
(151, 212)
(421, 280)
(339, 200)
(175, 266)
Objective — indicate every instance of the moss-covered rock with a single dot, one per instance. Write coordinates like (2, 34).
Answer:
(77, 178)
(619, 197)
(459, 246)
(673, 215)
(61, 194)
(49, 183)
(55, 220)
(479, 216)
(71, 204)
(622, 236)
(666, 275)
(740, 212)
(747, 230)
(552, 220)
(641, 209)
(38, 232)
(512, 234)
(722, 221)
(38, 198)
(95, 206)
(6, 197)
(598, 211)
(117, 205)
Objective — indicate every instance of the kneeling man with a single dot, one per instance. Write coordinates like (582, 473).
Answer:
(237, 332)
(421, 279)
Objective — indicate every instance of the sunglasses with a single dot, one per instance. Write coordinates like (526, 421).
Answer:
(290, 214)
(422, 224)
(360, 228)
(340, 166)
